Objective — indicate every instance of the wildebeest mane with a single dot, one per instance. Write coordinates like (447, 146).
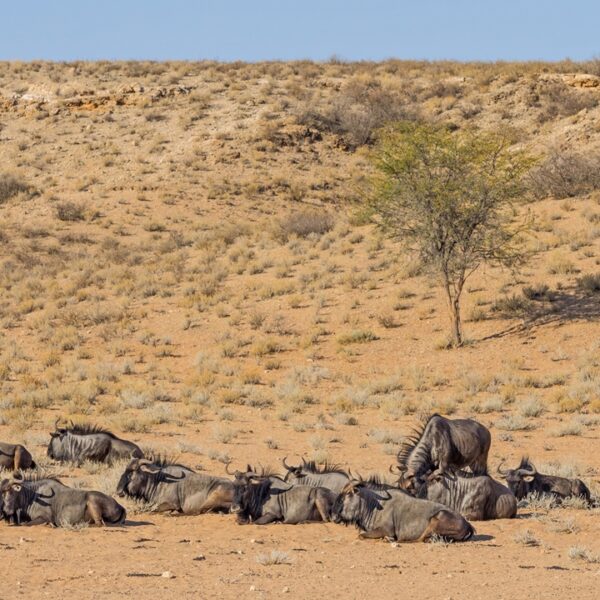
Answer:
(88, 429)
(410, 441)
(164, 460)
(312, 467)
(33, 477)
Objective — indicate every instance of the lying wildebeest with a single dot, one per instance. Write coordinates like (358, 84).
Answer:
(308, 473)
(36, 501)
(263, 500)
(86, 442)
(441, 444)
(525, 479)
(15, 457)
(173, 487)
(396, 515)
(475, 497)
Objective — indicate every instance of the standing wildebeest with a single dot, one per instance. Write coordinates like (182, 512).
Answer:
(86, 442)
(15, 457)
(475, 497)
(264, 500)
(525, 479)
(396, 515)
(308, 473)
(441, 444)
(173, 487)
(37, 501)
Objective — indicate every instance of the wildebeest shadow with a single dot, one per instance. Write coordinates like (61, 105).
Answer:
(565, 306)
(482, 537)
(129, 523)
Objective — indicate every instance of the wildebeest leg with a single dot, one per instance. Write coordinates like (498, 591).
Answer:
(93, 513)
(165, 507)
(37, 521)
(265, 519)
(218, 499)
(17, 458)
(323, 506)
(374, 534)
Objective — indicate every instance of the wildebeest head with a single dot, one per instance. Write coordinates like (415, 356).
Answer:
(249, 492)
(293, 471)
(519, 478)
(409, 480)
(56, 441)
(136, 476)
(347, 506)
(10, 491)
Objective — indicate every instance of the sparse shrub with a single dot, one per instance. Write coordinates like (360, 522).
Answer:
(526, 538)
(511, 306)
(589, 283)
(581, 553)
(306, 222)
(358, 336)
(10, 186)
(565, 174)
(70, 211)
(514, 423)
(276, 557)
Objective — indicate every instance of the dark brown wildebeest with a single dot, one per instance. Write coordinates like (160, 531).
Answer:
(396, 515)
(263, 500)
(86, 442)
(440, 445)
(475, 497)
(525, 479)
(329, 476)
(15, 457)
(173, 487)
(37, 501)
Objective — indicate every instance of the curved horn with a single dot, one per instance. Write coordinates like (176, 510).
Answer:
(303, 461)
(285, 465)
(532, 471)
(501, 472)
(227, 469)
(395, 470)
(56, 423)
(72, 425)
(46, 496)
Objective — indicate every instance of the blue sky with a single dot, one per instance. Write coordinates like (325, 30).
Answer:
(254, 30)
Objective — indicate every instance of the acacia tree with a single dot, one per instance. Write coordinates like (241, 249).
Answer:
(450, 198)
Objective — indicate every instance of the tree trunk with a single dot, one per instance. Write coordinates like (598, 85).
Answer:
(457, 338)
(453, 294)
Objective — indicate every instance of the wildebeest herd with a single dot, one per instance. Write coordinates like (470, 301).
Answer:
(442, 483)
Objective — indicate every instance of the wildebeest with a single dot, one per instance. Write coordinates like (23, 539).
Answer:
(173, 487)
(87, 442)
(441, 444)
(36, 501)
(15, 457)
(525, 479)
(308, 473)
(475, 497)
(263, 500)
(396, 515)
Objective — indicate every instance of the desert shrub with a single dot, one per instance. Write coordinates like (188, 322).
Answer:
(70, 211)
(589, 283)
(538, 292)
(305, 222)
(565, 174)
(511, 306)
(557, 99)
(10, 186)
(357, 336)
(360, 108)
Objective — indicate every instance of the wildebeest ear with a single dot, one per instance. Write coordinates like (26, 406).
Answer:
(528, 478)
(16, 487)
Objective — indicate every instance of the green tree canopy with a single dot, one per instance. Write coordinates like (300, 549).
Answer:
(450, 198)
